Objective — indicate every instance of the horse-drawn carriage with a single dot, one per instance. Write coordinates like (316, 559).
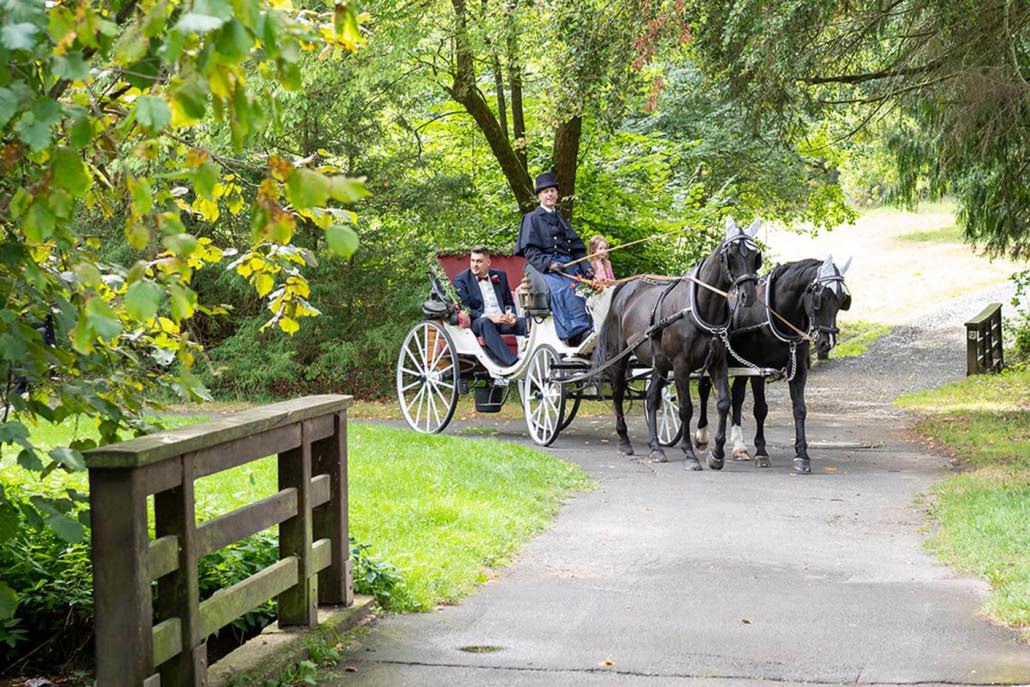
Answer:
(440, 359)
(649, 338)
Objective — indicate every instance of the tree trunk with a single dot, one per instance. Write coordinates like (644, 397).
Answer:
(465, 92)
(502, 108)
(518, 119)
(566, 158)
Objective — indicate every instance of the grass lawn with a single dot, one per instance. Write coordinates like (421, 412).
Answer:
(949, 234)
(984, 513)
(441, 509)
(856, 338)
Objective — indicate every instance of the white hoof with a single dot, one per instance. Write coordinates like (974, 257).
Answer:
(740, 451)
(701, 437)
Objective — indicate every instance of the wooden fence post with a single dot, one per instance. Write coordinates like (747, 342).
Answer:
(178, 593)
(331, 520)
(121, 586)
(297, 605)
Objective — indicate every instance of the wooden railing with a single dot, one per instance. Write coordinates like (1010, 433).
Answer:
(983, 342)
(139, 642)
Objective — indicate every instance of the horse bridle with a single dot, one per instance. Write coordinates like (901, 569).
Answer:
(815, 291)
(745, 243)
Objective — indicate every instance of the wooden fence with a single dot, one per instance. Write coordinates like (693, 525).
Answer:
(983, 342)
(140, 642)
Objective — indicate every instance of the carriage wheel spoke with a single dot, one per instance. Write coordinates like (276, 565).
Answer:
(421, 396)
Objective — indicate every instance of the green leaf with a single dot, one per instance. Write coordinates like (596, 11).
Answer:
(142, 196)
(19, 36)
(102, 319)
(8, 105)
(182, 245)
(306, 188)
(233, 41)
(8, 522)
(69, 458)
(348, 190)
(342, 240)
(70, 173)
(142, 300)
(184, 303)
(81, 133)
(192, 98)
(8, 601)
(67, 529)
(198, 23)
(14, 433)
(28, 459)
(39, 222)
(71, 66)
(34, 128)
(131, 46)
(143, 74)
(152, 113)
(205, 178)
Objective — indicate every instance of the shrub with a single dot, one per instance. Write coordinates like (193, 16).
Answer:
(1017, 324)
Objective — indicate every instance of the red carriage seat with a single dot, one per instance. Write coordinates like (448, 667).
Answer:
(512, 265)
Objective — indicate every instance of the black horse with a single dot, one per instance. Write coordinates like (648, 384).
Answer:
(675, 326)
(808, 294)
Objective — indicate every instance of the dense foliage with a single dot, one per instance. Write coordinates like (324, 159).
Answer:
(943, 83)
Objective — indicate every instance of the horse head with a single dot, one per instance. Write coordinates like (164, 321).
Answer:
(824, 297)
(740, 260)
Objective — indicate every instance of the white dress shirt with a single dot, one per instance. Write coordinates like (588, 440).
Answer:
(490, 304)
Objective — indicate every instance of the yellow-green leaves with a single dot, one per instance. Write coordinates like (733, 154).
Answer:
(142, 300)
(152, 113)
(306, 188)
(69, 172)
(342, 240)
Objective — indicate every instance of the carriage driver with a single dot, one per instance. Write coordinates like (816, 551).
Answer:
(548, 242)
(486, 294)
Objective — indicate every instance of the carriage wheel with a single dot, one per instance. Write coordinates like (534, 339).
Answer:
(543, 399)
(568, 417)
(670, 429)
(427, 378)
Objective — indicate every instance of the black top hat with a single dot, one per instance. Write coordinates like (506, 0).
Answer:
(545, 180)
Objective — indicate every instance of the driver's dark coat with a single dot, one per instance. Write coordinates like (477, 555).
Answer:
(543, 234)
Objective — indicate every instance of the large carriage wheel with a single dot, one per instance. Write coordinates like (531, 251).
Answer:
(543, 399)
(670, 429)
(427, 378)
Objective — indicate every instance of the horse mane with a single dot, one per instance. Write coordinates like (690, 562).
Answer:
(800, 272)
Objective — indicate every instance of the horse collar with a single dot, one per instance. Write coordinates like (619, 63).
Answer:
(692, 304)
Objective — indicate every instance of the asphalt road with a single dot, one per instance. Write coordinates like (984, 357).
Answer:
(665, 577)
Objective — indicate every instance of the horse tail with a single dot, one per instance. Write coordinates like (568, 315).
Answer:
(610, 341)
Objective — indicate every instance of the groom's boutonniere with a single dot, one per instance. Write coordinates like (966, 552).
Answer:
(495, 279)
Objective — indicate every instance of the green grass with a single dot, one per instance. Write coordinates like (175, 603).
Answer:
(949, 234)
(441, 509)
(983, 515)
(856, 338)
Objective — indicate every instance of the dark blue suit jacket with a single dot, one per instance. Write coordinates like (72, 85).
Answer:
(545, 233)
(472, 297)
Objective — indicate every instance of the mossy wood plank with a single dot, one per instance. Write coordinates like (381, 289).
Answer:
(226, 605)
(157, 447)
(242, 451)
(164, 556)
(167, 640)
(298, 605)
(319, 490)
(243, 522)
(152, 681)
(321, 555)
(984, 315)
(335, 584)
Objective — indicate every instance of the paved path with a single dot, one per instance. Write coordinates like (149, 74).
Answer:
(664, 577)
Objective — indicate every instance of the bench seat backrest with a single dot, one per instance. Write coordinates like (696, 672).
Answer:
(512, 265)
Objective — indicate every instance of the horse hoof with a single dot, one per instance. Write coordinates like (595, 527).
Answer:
(802, 465)
(626, 449)
(691, 463)
(762, 461)
(715, 463)
(741, 454)
(658, 456)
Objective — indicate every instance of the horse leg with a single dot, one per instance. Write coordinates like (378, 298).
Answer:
(761, 412)
(681, 373)
(738, 390)
(722, 402)
(802, 463)
(654, 398)
(618, 396)
(704, 389)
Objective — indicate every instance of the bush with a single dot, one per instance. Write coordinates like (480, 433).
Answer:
(1017, 325)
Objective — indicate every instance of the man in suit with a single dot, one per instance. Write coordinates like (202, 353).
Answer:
(486, 294)
(548, 242)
